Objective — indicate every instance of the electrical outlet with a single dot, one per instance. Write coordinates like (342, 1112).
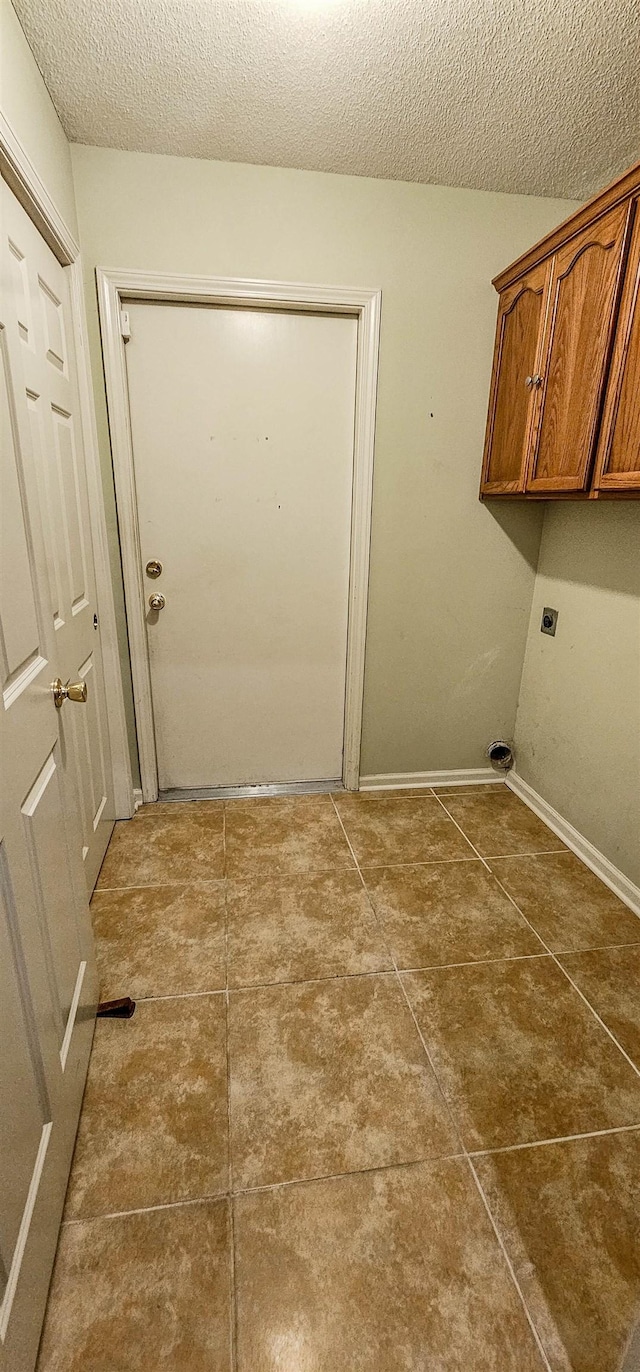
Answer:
(549, 621)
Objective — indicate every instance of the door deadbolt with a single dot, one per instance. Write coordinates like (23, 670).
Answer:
(157, 601)
(153, 568)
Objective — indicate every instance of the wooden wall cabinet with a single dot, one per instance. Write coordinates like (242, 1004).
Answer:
(514, 398)
(564, 405)
(618, 457)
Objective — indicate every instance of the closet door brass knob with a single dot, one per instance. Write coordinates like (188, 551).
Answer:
(74, 690)
(157, 601)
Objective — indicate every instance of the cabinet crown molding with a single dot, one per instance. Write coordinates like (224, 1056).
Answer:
(622, 188)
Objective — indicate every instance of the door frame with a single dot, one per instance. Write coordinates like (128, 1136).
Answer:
(21, 176)
(115, 288)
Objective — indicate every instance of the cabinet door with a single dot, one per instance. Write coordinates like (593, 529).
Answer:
(618, 458)
(513, 399)
(580, 322)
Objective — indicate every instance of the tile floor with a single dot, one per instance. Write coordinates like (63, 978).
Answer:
(378, 1109)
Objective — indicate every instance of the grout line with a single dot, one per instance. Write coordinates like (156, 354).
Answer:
(313, 981)
(547, 852)
(229, 1196)
(510, 1267)
(498, 857)
(482, 859)
(224, 840)
(392, 970)
(233, 1312)
(457, 1133)
(180, 995)
(544, 1143)
(150, 1209)
(159, 885)
(463, 1154)
(233, 1307)
(402, 969)
(430, 862)
(593, 948)
(550, 951)
(595, 1014)
(572, 983)
(340, 1176)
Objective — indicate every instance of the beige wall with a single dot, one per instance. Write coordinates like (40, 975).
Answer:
(26, 103)
(451, 580)
(578, 724)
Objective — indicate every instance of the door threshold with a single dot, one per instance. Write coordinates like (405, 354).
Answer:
(284, 788)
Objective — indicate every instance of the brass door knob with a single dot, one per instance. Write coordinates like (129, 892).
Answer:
(74, 690)
(156, 601)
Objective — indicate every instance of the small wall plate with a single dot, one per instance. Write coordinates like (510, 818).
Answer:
(548, 621)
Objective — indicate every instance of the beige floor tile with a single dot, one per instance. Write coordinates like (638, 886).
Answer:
(386, 832)
(160, 940)
(500, 824)
(519, 1055)
(447, 912)
(610, 979)
(145, 1292)
(297, 928)
(394, 1271)
(329, 1077)
(568, 1214)
(293, 834)
(568, 905)
(168, 849)
(153, 1127)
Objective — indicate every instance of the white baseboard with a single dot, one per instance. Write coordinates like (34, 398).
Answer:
(592, 857)
(462, 776)
(137, 798)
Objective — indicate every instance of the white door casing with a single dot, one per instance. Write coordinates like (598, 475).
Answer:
(47, 969)
(118, 288)
(242, 427)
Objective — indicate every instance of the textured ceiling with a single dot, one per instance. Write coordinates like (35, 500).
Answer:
(534, 96)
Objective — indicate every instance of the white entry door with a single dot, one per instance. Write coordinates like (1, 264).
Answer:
(243, 433)
(55, 810)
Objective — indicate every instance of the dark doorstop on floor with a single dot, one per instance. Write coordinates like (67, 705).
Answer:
(116, 1009)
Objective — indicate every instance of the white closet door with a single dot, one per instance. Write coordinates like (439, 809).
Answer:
(48, 987)
(243, 432)
(40, 294)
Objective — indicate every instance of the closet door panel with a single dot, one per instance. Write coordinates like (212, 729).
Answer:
(581, 318)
